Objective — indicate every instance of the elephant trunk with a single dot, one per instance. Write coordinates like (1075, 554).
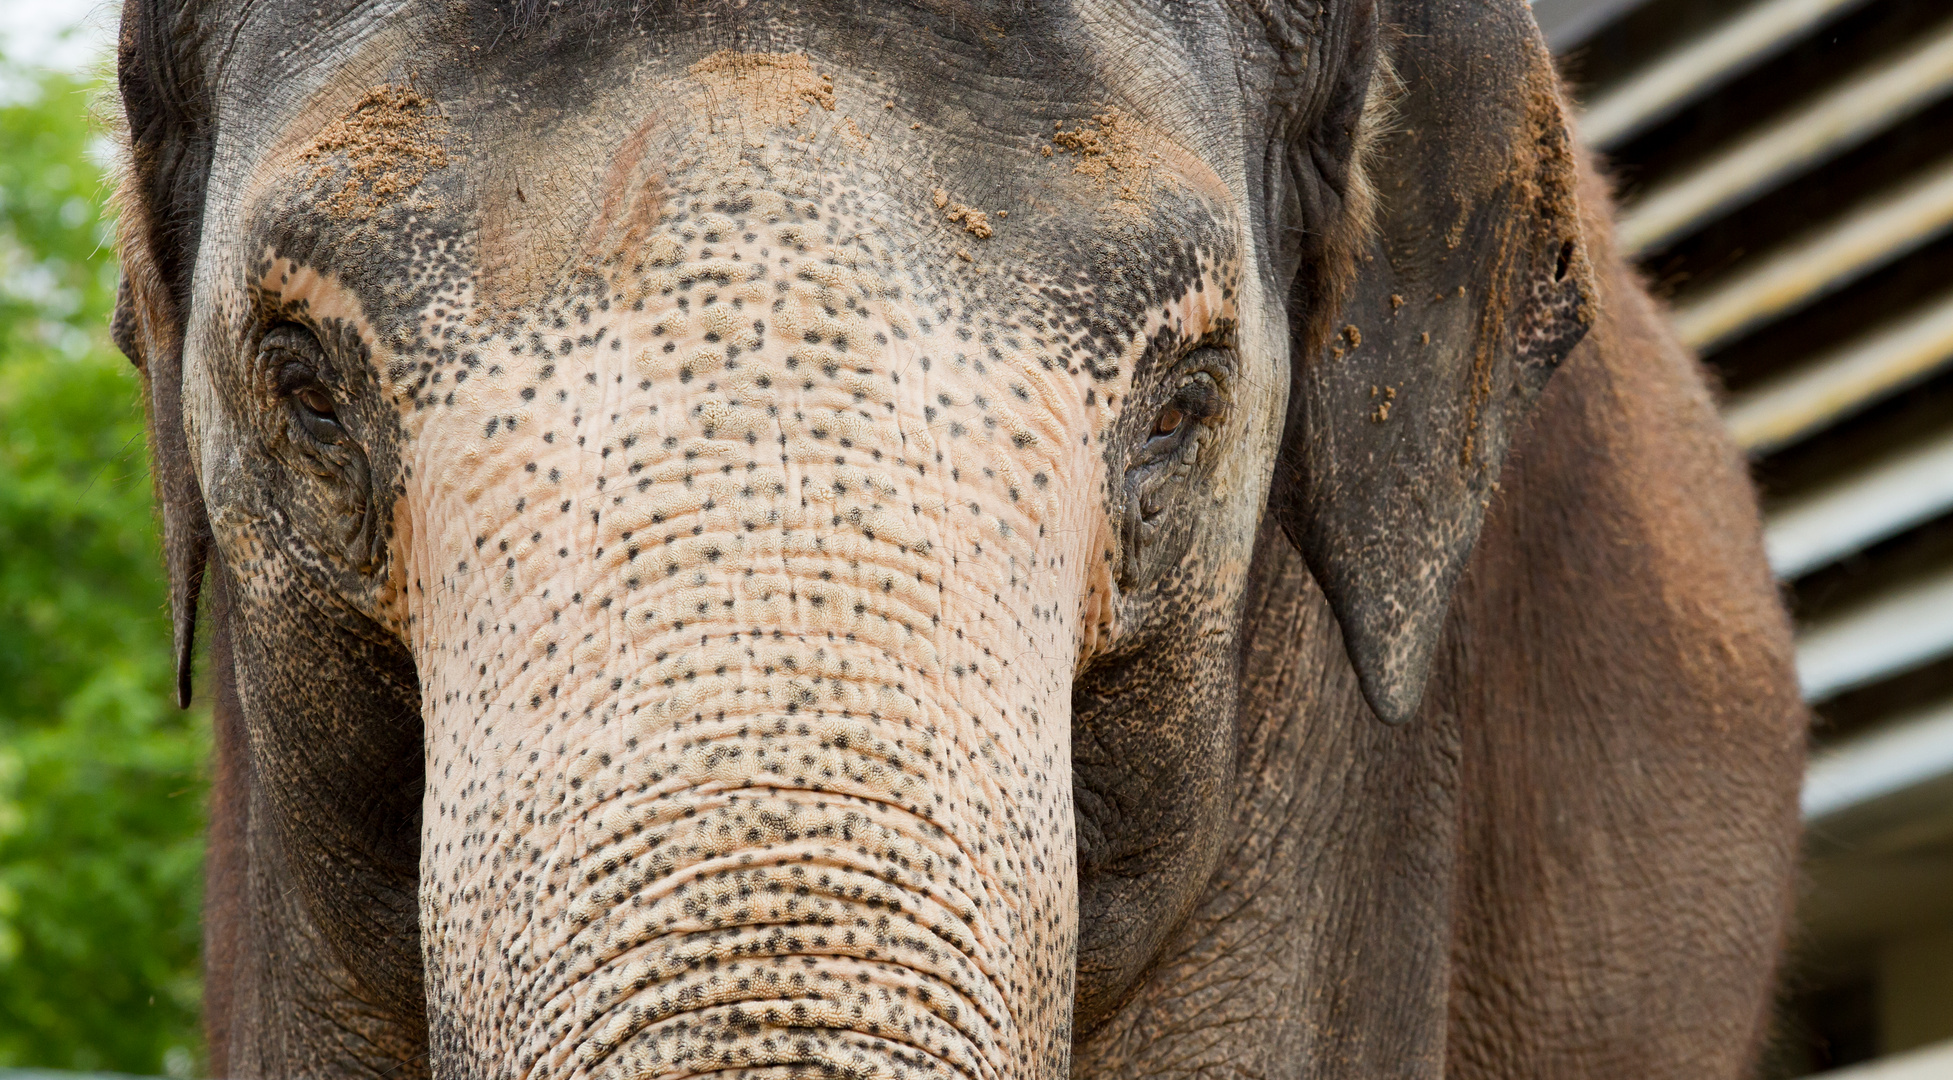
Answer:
(747, 722)
(758, 839)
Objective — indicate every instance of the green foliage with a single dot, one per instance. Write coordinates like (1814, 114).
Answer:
(101, 779)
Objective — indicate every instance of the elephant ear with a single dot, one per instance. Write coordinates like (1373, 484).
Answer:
(159, 216)
(146, 332)
(1469, 286)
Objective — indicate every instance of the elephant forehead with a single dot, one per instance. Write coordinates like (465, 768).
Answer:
(1074, 230)
(744, 270)
(775, 345)
(772, 315)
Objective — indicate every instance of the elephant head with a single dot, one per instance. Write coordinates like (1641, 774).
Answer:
(728, 523)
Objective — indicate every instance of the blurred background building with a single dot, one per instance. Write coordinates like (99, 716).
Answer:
(1785, 170)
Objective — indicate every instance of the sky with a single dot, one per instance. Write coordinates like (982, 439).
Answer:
(68, 35)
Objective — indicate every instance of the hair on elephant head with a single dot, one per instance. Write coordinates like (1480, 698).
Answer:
(730, 522)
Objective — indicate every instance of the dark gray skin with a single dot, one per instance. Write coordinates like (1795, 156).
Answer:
(1287, 742)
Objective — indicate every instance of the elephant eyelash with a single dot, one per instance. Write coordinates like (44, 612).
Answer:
(1201, 398)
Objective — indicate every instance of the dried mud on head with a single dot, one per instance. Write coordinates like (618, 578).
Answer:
(774, 89)
(389, 142)
(1111, 148)
(974, 221)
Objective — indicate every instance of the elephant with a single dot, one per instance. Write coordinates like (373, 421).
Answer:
(941, 538)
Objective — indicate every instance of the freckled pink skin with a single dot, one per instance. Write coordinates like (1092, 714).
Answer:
(746, 609)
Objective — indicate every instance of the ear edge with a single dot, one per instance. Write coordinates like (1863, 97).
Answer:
(1335, 149)
(146, 328)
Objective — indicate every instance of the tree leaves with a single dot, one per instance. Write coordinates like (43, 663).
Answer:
(101, 779)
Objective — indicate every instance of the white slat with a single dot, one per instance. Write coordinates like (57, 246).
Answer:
(1861, 510)
(1869, 237)
(1829, 388)
(1880, 638)
(1846, 116)
(1705, 63)
(1907, 752)
(1934, 1062)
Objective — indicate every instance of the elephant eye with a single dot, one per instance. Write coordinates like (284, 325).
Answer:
(294, 357)
(315, 400)
(1197, 401)
(312, 403)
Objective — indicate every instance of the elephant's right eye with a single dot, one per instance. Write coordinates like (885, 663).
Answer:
(316, 401)
(311, 402)
(1196, 402)
(317, 413)
(294, 356)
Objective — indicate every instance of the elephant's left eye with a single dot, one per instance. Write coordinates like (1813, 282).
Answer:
(317, 402)
(1199, 400)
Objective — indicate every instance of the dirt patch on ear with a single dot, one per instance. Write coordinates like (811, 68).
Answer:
(1541, 299)
(388, 143)
(1548, 148)
(774, 89)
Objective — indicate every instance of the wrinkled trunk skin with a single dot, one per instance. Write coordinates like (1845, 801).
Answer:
(746, 711)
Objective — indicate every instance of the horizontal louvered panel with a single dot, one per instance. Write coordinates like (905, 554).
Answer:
(1872, 235)
(1816, 302)
(1696, 67)
(1720, 126)
(1846, 116)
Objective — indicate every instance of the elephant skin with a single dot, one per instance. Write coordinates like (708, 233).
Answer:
(941, 539)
